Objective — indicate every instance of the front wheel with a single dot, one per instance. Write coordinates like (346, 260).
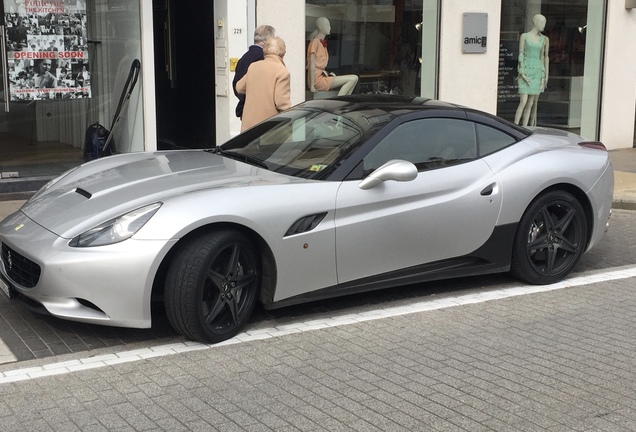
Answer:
(212, 286)
(550, 239)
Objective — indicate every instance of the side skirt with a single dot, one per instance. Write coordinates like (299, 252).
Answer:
(493, 257)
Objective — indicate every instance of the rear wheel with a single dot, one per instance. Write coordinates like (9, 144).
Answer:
(550, 239)
(212, 286)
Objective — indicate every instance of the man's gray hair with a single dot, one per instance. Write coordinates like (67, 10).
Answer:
(262, 33)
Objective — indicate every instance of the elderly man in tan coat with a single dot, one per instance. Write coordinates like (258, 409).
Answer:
(266, 85)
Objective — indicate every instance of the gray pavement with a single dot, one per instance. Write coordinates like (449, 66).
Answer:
(563, 360)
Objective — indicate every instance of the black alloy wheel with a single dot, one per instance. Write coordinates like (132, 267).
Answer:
(550, 239)
(212, 286)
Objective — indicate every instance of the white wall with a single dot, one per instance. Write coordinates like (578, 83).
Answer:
(469, 79)
(233, 35)
(223, 82)
(618, 105)
(288, 18)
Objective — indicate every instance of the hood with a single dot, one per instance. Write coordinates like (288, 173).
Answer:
(106, 188)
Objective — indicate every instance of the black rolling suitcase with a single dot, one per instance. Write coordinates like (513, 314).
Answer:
(98, 141)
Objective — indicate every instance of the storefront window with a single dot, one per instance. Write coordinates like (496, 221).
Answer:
(550, 63)
(66, 63)
(378, 41)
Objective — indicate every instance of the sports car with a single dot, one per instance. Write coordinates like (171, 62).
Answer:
(328, 198)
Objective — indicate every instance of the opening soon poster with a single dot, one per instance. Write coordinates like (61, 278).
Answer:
(47, 51)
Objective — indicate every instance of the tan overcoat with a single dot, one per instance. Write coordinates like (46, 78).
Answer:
(267, 89)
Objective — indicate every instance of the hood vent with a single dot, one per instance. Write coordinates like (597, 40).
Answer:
(84, 193)
(305, 224)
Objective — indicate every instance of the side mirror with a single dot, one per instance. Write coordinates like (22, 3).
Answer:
(397, 170)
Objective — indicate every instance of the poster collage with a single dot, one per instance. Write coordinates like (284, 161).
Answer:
(47, 50)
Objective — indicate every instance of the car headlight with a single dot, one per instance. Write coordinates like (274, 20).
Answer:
(116, 230)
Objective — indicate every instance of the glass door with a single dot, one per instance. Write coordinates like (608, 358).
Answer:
(4, 82)
(4, 91)
(65, 67)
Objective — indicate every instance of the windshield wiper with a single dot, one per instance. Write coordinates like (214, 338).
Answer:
(240, 157)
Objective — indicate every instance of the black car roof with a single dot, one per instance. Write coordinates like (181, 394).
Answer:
(382, 107)
(384, 102)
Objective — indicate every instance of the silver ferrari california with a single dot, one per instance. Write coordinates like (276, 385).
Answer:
(328, 198)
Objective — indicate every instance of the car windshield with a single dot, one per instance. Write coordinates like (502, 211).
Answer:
(302, 142)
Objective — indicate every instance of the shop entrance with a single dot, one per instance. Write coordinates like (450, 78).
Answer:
(184, 73)
(63, 68)
(28, 148)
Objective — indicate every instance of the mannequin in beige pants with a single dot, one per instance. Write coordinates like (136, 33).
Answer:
(317, 57)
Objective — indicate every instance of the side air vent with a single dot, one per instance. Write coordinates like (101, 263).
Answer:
(84, 193)
(305, 224)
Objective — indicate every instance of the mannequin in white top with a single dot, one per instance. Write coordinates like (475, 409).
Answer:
(317, 58)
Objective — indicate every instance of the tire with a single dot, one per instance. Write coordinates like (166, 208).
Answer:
(550, 239)
(212, 285)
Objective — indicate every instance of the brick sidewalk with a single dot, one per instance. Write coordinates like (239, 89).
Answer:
(557, 361)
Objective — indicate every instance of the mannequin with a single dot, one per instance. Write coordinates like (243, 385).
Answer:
(533, 68)
(317, 58)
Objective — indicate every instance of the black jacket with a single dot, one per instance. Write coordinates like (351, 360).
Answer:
(255, 53)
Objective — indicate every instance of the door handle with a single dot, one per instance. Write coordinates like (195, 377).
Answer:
(488, 190)
(5, 71)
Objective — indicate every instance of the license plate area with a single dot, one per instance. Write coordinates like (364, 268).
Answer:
(6, 288)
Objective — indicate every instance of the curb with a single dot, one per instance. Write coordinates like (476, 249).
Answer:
(624, 205)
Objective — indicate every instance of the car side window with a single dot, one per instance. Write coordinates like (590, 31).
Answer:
(492, 140)
(427, 143)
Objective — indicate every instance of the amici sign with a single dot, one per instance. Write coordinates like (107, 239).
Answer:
(474, 33)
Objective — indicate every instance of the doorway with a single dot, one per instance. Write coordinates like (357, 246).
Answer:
(184, 73)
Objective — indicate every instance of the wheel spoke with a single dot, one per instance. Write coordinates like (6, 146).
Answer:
(217, 279)
(551, 259)
(233, 306)
(564, 223)
(539, 243)
(229, 283)
(215, 310)
(567, 245)
(547, 219)
(242, 281)
(233, 262)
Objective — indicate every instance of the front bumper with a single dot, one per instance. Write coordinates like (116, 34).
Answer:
(107, 285)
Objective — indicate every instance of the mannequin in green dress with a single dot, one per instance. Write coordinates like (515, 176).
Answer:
(533, 70)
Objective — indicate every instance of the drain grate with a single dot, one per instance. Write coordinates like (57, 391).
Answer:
(16, 196)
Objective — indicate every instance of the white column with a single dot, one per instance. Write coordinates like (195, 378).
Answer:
(233, 39)
(469, 79)
(288, 18)
(618, 104)
(147, 109)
